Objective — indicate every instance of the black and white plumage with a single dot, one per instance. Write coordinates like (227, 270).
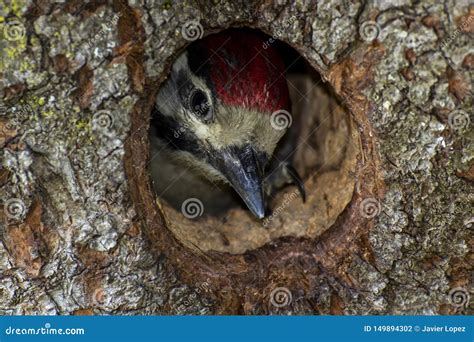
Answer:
(211, 136)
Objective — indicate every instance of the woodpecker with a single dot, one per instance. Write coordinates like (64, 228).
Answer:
(211, 134)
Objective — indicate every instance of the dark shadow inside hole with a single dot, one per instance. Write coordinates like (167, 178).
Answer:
(179, 184)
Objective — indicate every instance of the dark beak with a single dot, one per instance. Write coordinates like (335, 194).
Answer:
(241, 168)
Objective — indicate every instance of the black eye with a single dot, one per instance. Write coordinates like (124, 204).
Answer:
(200, 105)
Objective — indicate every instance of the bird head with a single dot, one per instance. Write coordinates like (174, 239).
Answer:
(214, 110)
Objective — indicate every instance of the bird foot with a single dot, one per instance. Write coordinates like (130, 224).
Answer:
(284, 174)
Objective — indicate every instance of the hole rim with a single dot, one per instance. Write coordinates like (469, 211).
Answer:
(234, 272)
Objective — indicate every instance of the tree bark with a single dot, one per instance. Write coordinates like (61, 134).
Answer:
(82, 233)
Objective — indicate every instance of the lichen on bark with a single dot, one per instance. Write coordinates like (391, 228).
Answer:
(77, 71)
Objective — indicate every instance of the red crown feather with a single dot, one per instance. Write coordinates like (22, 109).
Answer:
(246, 70)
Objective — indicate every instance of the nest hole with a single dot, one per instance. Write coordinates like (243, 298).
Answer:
(326, 147)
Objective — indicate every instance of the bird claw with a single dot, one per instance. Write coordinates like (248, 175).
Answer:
(295, 179)
(282, 175)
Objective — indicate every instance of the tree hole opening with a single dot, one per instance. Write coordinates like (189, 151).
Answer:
(321, 143)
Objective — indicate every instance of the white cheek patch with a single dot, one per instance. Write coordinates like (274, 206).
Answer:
(201, 130)
(211, 133)
(236, 127)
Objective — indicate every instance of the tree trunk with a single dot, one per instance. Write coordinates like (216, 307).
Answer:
(82, 232)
